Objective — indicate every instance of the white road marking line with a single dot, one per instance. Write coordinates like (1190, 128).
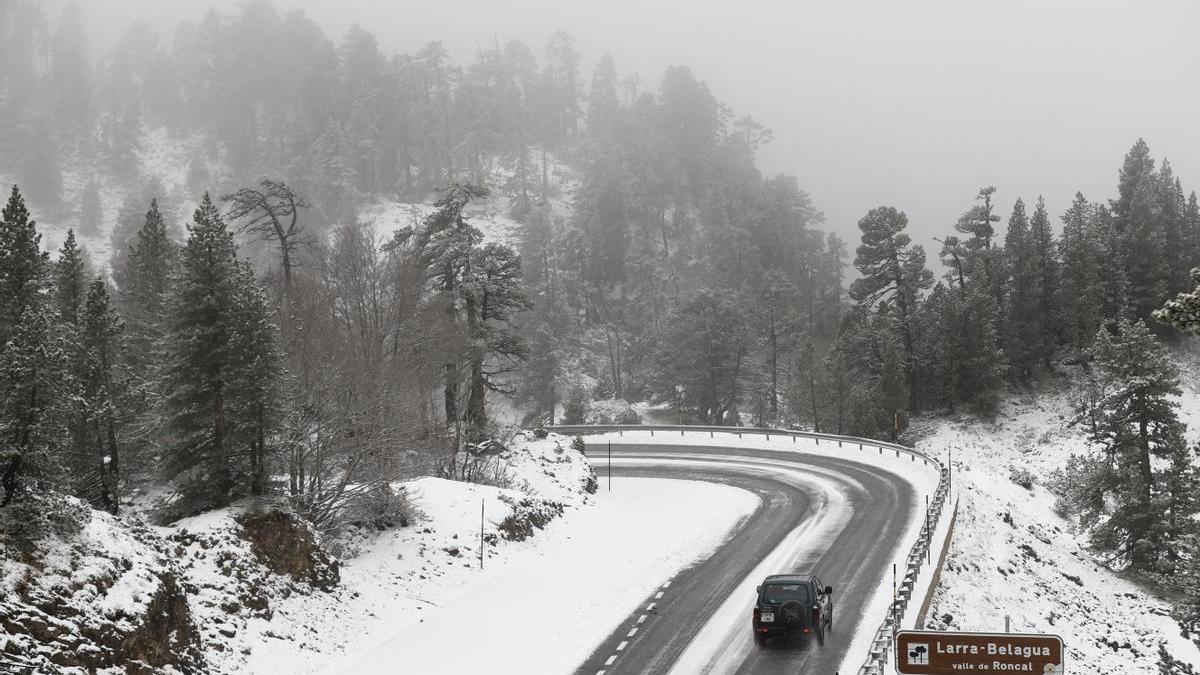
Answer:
(610, 660)
(668, 583)
(621, 647)
(658, 595)
(650, 607)
(641, 618)
(632, 632)
(601, 672)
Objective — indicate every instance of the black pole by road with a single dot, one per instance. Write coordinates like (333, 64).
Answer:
(928, 546)
(610, 466)
(482, 506)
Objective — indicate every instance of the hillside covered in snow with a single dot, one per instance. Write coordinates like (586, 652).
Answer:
(1016, 560)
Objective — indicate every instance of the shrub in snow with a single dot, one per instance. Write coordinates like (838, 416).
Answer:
(527, 514)
(473, 468)
(381, 508)
(1022, 477)
(23, 524)
(611, 411)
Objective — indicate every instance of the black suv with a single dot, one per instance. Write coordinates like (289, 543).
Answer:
(792, 605)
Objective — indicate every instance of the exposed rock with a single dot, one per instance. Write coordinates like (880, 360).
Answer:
(287, 545)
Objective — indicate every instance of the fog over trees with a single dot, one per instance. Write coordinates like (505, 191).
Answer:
(268, 341)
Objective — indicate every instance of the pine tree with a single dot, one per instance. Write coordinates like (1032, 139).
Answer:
(36, 390)
(978, 258)
(1137, 219)
(1021, 323)
(704, 353)
(34, 380)
(1130, 417)
(69, 293)
(1081, 293)
(70, 281)
(1171, 209)
(24, 267)
(1045, 262)
(145, 276)
(894, 274)
(100, 331)
(1116, 288)
(221, 370)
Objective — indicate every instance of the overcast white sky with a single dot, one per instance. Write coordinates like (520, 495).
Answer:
(912, 103)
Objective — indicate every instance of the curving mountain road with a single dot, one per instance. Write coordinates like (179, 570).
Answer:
(841, 519)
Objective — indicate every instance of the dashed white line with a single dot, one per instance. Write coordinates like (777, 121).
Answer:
(641, 618)
(650, 607)
(658, 595)
(668, 583)
(621, 647)
(610, 660)
(632, 632)
(601, 672)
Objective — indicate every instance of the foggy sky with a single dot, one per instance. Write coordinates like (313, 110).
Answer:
(911, 103)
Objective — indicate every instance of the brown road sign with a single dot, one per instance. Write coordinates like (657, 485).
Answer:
(934, 653)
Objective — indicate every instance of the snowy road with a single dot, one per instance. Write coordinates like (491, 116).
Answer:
(843, 519)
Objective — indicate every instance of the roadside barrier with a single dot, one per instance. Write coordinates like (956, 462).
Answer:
(878, 656)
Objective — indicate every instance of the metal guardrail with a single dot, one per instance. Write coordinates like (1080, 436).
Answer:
(881, 644)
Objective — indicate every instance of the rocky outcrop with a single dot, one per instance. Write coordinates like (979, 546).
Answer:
(288, 545)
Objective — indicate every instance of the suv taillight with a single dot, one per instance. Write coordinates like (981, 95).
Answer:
(816, 614)
(756, 614)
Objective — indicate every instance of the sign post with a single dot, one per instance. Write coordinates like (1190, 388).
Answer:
(935, 653)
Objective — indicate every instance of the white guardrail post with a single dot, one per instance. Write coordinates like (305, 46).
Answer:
(878, 655)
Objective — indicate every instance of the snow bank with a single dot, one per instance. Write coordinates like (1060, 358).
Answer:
(1013, 555)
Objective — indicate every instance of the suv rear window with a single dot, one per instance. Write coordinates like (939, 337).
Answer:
(777, 593)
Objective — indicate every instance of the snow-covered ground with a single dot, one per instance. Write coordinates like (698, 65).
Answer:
(1013, 555)
(415, 594)
(546, 606)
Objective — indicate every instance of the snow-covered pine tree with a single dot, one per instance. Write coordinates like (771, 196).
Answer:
(144, 275)
(1043, 250)
(1116, 288)
(1137, 217)
(1079, 251)
(100, 331)
(1131, 419)
(894, 273)
(220, 371)
(35, 382)
(69, 293)
(70, 281)
(24, 267)
(1021, 325)
(1171, 216)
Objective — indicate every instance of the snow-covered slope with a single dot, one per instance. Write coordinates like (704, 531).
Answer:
(94, 599)
(490, 215)
(413, 596)
(1013, 555)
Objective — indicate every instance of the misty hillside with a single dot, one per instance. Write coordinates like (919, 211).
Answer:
(276, 304)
